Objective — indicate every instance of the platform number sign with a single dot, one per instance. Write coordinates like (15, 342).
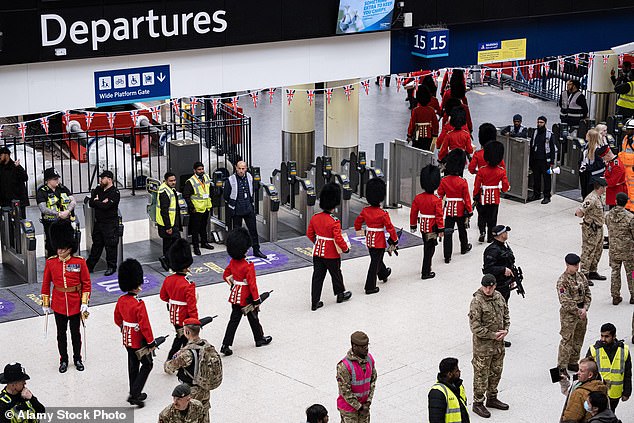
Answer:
(431, 42)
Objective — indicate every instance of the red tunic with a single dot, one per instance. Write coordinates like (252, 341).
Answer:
(435, 105)
(324, 230)
(445, 118)
(376, 221)
(456, 189)
(477, 161)
(180, 294)
(615, 177)
(131, 316)
(71, 284)
(427, 210)
(454, 139)
(423, 114)
(244, 289)
(447, 95)
(489, 180)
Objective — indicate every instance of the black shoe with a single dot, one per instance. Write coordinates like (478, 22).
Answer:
(596, 276)
(164, 263)
(344, 296)
(535, 197)
(143, 396)
(447, 259)
(79, 365)
(372, 291)
(546, 200)
(316, 306)
(258, 253)
(264, 341)
(388, 272)
(226, 350)
(197, 250)
(466, 250)
(496, 403)
(606, 245)
(507, 344)
(207, 246)
(63, 366)
(590, 283)
(481, 238)
(481, 410)
(110, 271)
(136, 401)
(428, 275)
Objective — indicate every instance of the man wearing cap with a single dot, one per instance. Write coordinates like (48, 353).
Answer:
(193, 364)
(356, 377)
(591, 211)
(105, 232)
(13, 180)
(55, 203)
(196, 193)
(543, 151)
(16, 399)
(620, 224)
(517, 130)
(574, 297)
(489, 321)
(183, 409)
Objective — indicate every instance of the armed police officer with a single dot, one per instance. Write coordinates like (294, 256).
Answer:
(55, 203)
(105, 233)
(196, 193)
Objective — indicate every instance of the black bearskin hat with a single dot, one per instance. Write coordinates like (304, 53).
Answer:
(238, 242)
(62, 235)
(430, 178)
(455, 162)
(180, 255)
(375, 191)
(130, 275)
(487, 132)
(330, 196)
(494, 153)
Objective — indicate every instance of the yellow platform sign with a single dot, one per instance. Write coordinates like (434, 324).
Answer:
(501, 51)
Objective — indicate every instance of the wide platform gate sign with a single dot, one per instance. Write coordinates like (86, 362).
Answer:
(123, 86)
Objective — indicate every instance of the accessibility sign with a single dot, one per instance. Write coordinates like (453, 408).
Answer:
(123, 86)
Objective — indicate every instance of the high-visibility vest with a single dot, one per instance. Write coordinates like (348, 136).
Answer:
(360, 382)
(627, 100)
(5, 398)
(452, 415)
(54, 203)
(612, 373)
(626, 156)
(172, 209)
(201, 198)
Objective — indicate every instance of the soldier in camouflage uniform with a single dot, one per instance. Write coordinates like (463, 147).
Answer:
(620, 224)
(574, 296)
(184, 409)
(591, 211)
(489, 320)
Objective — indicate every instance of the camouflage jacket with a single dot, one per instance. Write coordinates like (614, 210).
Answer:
(195, 414)
(487, 315)
(621, 229)
(344, 379)
(573, 290)
(592, 208)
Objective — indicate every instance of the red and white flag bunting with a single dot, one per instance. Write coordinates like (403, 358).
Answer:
(621, 57)
(514, 72)
(449, 73)
(328, 94)
(399, 82)
(482, 75)
(590, 59)
(254, 97)
(290, 93)
(605, 60)
(214, 104)
(193, 102)
(576, 60)
(44, 123)
(381, 82)
(466, 74)
(271, 94)
(22, 128)
(366, 86)
(310, 95)
(562, 64)
(234, 103)
(531, 70)
(546, 68)
(348, 90)
(499, 75)
(66, 117)
(111, 117)
(134, 114)
(156, 113)
(89, 117)
(177, 107)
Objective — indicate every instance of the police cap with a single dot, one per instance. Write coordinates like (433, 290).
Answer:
(50, 173)
(500, 229)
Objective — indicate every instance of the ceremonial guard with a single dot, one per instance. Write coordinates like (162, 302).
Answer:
(55, 203)
(179, 292)
(620, 224)
(168, 215)
(70, 291)
(427, 211)
(574, 297)
(132, 319)
(240, 275)
(486, 133)
(197, 195)
(489, 182)
(457, 209)
(377, 221)
(105, 200)
(591, 211)
(457, 137)
(184, 409)
(324, 231)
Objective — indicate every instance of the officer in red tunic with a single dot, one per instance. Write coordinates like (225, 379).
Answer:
(179, 292)
(615, 177)
(489, 181)
(455, 190)
(427, 210)
(131, 317)
(240, 275)
(487, 132)
(377, 221)
(324, 230)
(68, 274)
(455, 137)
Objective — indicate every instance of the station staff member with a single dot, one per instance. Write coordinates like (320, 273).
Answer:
(105, 200)
(66, 291)
(55, 203)
(197, 195)
(168, 216)
(13, 180)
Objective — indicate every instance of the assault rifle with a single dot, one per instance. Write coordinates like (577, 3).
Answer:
(250, 307)
(205, 320)
(142, 352)
(518, 277)
(393, 248)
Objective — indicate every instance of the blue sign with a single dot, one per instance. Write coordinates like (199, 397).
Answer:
(431, 42)
(110, 284)
(492, 45)
(123, 86)
(6, 307)
(271, 261)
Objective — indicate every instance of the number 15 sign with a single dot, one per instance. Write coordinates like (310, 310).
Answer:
(431, 42)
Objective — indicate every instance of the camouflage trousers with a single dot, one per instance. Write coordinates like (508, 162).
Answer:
(354, 417)
(203, 396)
(573, 331)
(487, 372)
(591, 248)
(615, 287)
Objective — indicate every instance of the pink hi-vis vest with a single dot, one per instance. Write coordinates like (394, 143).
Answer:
(359, 383)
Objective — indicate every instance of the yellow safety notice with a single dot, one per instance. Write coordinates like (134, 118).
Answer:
(502, 51)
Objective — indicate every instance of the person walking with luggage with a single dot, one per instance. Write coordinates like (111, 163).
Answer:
(591, 211)
(490, 181)
(197, 195)
(105, 233)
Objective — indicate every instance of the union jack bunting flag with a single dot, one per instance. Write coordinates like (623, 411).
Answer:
(44, 123)
(514, 72)
(66, 117)
(546, 68)
(531, 70)
(606, 57)
(156, 113)
(366, 86)
(621, 57)
(381, 82)
(310, 95)
(254, 96)
(576, 60)
(193, 102)
(22, 128)
(234, 103)
(590, 59)
(562, 63)
(328, 94)
(290, 93)
(134, 114)
(111, 117)
(177, 107)
(271, 94)
(499, 75)
(399, 82)
(348, 90)
(214, 104)
(89, 117)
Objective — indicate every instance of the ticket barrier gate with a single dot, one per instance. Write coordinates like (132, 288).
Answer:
(297, 196)
(89, 219)
(321, 173)
(571, 154)
(359, 172)
(218, 217)
(152, 188)
(615, 127)
(18, 244)
(268, 205)
(516, 156)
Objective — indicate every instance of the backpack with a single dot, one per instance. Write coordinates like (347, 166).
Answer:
(207, 366)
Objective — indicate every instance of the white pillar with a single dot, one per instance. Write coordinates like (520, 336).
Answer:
(601, 97)
(298, 127)
(341, 122)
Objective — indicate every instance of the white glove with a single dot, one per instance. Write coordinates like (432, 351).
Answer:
(46, 310)
(83, 308)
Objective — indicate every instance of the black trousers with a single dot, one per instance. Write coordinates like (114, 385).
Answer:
(377, 267)
(104, 234)
(198, 227)
(540, 168)
(447, 243)
(625, 112)
(429, 248)
(320, 267)
(487, 218)
(249, 220)
(584, 183)
(168, 239)
(234, 321)
(422, 143)
(61, 322)
(178, 343)
(614, 402)
(505, 292)
(138, 371)
(48, 247)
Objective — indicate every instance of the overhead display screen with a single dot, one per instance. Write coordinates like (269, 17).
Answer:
(364, 16)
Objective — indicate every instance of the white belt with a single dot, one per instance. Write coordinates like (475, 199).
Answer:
(174, 302)
(130, 325)
(239, 283)
(324, 238)
(491, 186)
(454, 199)
(427, 216)
(375, 229)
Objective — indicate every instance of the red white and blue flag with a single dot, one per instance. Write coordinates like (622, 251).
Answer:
(193, 102)
(89, 117)
(254, 96)
(621, 57)
(156, 113)
(348, 90)
(366, 86)
(499, 75)
(290, 93)
(44, 123)
(546, 68)
(606, 57)
(531, 70)
(310, 95)
(515, 72)
(328, 94)
(399, 82)
(562, 63)
(22, 128)
(134, 114)
(381, 82)
(234, 103)
(590, 59)
(66, 117)
(111, 117)
(271, 94)
(576, 60)
(214, 105)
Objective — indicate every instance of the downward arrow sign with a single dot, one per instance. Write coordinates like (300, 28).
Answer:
(161, 77)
